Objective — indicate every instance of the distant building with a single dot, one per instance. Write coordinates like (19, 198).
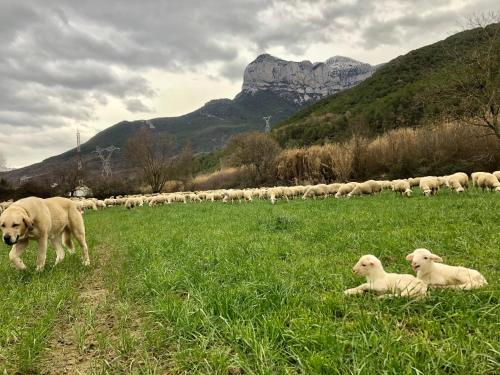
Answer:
(82, 191)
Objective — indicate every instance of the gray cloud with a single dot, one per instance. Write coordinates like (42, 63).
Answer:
(136, 106)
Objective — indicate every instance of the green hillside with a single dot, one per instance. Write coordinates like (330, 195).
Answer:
(407, 91)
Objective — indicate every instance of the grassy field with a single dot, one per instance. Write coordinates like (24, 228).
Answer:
(216, 288)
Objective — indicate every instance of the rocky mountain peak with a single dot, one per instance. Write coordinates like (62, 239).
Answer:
(303, 81)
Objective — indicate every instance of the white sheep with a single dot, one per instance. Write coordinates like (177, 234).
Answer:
(429, 185)
(368, 187)
(496, 174)
(383, 283)
(316, 191)
(275, 193)
(488, 181)
(333, 188)
(402, 186)
(345, 189)
(429, 270)
(414, 181)
(474, 176)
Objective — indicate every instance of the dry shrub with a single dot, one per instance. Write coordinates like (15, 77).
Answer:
(317, 164)
(400, 153)
(224, 179)
(172, 186)
(439, 149)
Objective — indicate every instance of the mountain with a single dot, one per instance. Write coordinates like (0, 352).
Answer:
(271, 87)
(303, 82)
(407, 91)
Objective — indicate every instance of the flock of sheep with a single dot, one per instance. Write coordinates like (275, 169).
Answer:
(429, 270)
(429, 185)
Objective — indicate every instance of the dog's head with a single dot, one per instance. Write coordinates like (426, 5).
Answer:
(15, 224)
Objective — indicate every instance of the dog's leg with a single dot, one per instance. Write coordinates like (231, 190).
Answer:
(80, 237)
(15, 254)
(67, 241)
(57, 243)
(77, 228)
(42, 253)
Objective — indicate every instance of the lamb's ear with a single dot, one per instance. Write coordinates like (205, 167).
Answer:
(28, 222)
(436, 258)
(409, 257)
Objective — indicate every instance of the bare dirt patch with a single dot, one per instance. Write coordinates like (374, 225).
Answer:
(98, 332)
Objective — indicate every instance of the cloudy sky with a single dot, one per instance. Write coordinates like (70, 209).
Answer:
(90, 64)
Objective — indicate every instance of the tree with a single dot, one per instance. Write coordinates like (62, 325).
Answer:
(184, 163)
(255, 150)
(151, 152)
(67, 177)
(475, 76)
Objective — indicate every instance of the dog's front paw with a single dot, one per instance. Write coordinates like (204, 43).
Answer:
(21, 268)
(40, 268)
(86, 262)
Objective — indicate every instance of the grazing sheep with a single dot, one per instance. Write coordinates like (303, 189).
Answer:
(275, 193)
(402, 186)
(316, 191)
(441, 181)
(345, 189)
(194, 197)
(381, 282)
(133, 202)
(100, 204)
(474, 176)
(368, 187)
(333, 188)
(385, 184)
(435, 274)
(488, 181)
(414, 181)
(461, 177)
(429, 185)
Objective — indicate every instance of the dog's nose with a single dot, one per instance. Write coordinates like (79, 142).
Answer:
(6, 239)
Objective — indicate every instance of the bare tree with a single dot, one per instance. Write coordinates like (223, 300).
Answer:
(475, 76)
(67, 177)
(256, 150)
(151, 152)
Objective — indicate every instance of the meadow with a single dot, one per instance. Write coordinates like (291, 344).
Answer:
(253, 288)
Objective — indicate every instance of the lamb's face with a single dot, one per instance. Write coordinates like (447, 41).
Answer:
(422, 258)
(365, 265)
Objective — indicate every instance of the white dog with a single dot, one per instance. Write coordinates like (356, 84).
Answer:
(54, 219)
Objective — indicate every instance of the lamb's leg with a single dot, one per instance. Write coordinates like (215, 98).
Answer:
(15, 253)
(358, 290)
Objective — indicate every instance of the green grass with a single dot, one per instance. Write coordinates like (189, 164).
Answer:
(257, 289)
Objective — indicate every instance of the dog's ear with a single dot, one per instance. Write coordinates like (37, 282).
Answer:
(28, 222)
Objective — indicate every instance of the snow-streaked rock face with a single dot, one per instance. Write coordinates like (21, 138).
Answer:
(304, 81)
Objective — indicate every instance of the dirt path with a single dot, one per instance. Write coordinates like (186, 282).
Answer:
(98, 332)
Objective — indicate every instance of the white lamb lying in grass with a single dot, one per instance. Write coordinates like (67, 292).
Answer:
(383, 283)
(424, 264)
